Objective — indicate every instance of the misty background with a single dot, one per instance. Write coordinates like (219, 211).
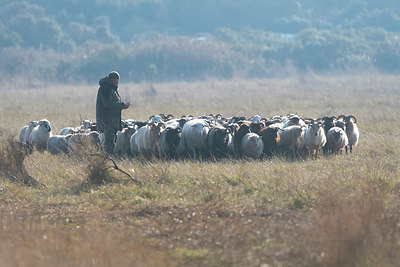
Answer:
(71, 41)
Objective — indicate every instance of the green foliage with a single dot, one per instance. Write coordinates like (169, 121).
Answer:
(195, 40)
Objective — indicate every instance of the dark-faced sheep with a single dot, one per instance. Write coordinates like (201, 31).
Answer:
(336, 140)
(220, 141)
(271, 138)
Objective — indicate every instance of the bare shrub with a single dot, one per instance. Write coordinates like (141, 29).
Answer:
(99, 169)
(12, 156)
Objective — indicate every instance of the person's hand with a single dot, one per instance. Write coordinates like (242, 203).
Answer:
(126, 105)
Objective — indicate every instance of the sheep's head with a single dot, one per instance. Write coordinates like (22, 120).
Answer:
(341, 124)
(32, 124)
(45, 124)
(316, 128)
(338, 134)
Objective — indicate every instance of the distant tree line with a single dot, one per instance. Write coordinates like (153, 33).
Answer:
(167, 40)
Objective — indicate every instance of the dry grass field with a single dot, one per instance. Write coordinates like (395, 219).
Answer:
(334, 211)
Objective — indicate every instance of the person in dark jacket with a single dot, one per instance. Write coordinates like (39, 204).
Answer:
(108, 110)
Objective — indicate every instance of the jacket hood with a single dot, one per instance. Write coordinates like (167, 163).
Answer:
(105, 80)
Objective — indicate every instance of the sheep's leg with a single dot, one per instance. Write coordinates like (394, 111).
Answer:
(346, 149)
(194, 154)
(351, 149)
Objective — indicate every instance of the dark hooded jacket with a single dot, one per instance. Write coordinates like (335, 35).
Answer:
(108, 106)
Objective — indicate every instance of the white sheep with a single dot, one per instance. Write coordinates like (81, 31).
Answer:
(146, 139)
(58, 143)
(40, 134)
(352, 132)
(26, 132)
(336, 140)
(122, 145)
(133, 146)
(252, 145)
(194, 137)
(314, 138)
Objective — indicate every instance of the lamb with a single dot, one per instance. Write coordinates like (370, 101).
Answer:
(252, 146)
(314, 138)
(40, 134)
(194, 137)
(336, 140)
(58, 143)
(26, 132)
(122, 146)
(352, 132)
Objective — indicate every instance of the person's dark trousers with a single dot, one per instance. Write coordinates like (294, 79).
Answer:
(110, 135)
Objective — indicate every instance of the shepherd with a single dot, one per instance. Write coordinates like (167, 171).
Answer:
(108, 110)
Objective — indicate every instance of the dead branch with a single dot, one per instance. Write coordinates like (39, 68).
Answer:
(115, 166)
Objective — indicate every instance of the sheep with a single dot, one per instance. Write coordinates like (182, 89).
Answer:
(146, 139)
(84, 139)
(293, 120)
(243, 129)
(252, 145)
(336, 140)
(175, 123)
(255, 127)
(85, 124)
(271, 138)
(40, 134)
(194, 137)
(314, 137)
(220, 141)
(255, 118)
(26, 132)
(133, 146)
(68, 130)
(168, 142)
(328, 122)
(289, 137)
(352, 132)
(155, 119)
(58, 143)
(122, 145)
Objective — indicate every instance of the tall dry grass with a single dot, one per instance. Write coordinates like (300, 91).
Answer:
(333, 211)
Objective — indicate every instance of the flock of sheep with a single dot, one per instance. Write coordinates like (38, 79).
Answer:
(206, 136)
